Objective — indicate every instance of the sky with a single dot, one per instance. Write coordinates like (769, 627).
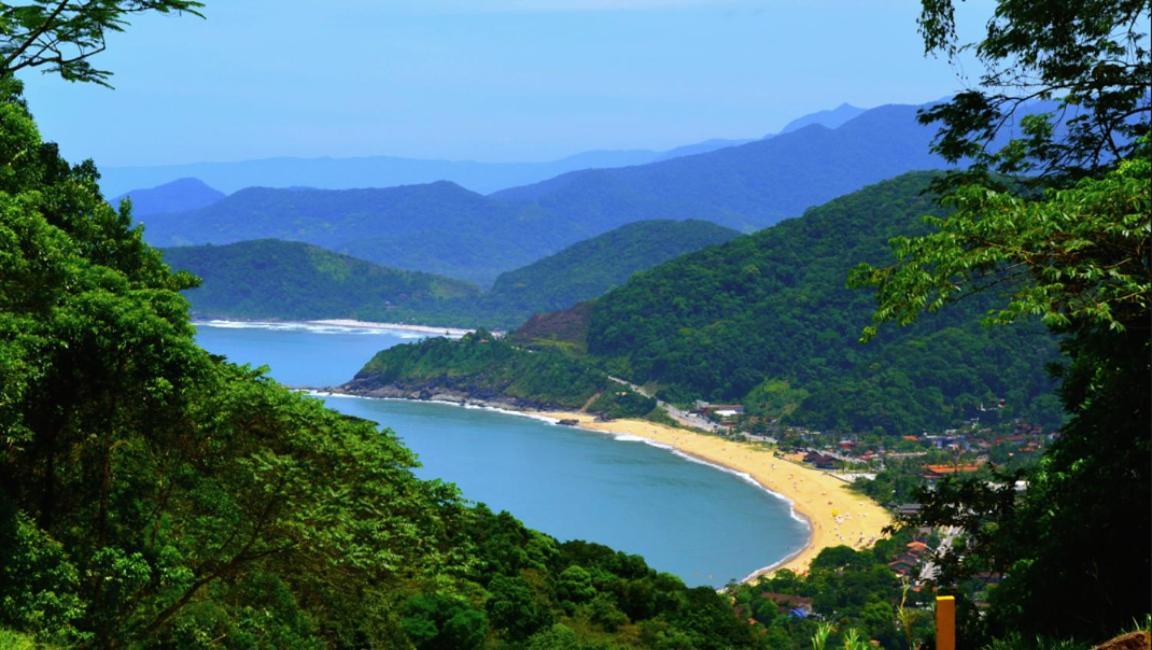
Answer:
(489, 80)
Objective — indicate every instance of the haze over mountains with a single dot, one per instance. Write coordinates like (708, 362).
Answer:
(388, 171)
(175, 196)
(446, 229)
(383, 171)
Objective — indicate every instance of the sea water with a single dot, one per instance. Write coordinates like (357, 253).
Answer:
(705, 525)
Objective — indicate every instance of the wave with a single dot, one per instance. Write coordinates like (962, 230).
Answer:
(312, 328)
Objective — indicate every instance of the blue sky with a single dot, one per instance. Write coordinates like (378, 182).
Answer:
(482, 79)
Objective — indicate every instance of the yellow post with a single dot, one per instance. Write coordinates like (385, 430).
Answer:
(945, 623)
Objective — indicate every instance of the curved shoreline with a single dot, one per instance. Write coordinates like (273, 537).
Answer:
(844, 517)
(834, 514)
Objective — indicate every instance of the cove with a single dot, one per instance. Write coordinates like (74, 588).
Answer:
(705, 525)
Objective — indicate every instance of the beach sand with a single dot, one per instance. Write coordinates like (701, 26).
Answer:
(835, 514)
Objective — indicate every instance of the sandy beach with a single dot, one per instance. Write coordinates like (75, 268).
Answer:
(835, 514)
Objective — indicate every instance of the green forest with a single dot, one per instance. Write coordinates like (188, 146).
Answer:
(269, 279)
(482, 367)
(272, 279)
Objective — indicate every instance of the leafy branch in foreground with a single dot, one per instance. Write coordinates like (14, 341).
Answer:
(61, 35)
(1089, 57)
(1077, 258)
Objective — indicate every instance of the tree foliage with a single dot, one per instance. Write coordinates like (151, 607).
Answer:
(1091, 58)
(1077, 256)
(481, 366)
(60, 36)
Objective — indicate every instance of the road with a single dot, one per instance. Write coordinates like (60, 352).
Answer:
(681, 416)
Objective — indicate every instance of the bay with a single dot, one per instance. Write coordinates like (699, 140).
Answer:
(705, 525)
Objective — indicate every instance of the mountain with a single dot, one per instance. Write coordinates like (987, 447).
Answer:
(482, 367)
(290, 280)
(279, 280)
(445, 229)
(389, 171)
(766, 319)
(177, 196)
(440, 228)
(589, 268)
(745, 187)
(831, 118)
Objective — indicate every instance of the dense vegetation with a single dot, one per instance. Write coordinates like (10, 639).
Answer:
(768, 318)
(482, 367)
(589, 268)
(273, 279)
(1076, 254)
(290, 280)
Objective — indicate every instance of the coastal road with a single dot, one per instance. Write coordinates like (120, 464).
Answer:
(681, 416)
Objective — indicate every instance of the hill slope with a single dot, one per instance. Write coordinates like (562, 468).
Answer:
(482, 367)
(290, 280)
(767, 318)
(589, 268)
(274, 279)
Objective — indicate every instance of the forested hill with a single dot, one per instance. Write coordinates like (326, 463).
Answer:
(274, 279)
(439, 228)
(767, 318)
(482, 367)
(289, 280)
(589, 268)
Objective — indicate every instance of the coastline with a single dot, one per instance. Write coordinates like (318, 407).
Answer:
(833, 514)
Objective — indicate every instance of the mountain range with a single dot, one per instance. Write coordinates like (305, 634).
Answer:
(383, 171)
(388, 171)
(446, 229)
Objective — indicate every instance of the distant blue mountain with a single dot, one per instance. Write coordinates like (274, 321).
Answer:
(446, 229)
(391, 171)
(744, 187)
(177, 196)
(831, 118)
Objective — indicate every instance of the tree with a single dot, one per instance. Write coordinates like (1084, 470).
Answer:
(61, 35)
(1074, 547)
(1091, 57)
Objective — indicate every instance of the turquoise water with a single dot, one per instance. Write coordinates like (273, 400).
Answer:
(704, 525)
